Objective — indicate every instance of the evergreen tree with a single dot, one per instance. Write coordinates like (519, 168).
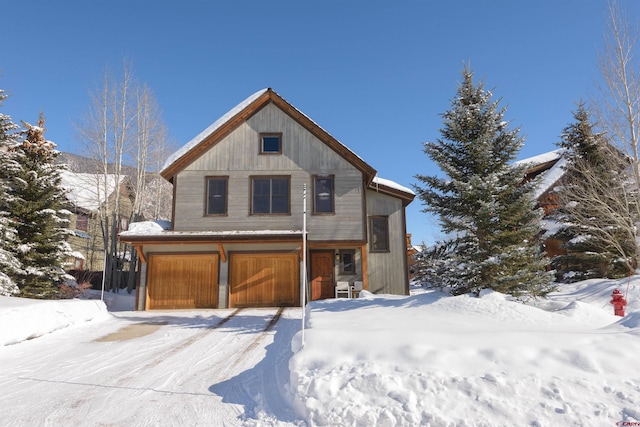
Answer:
(9, 264)
(595, 176)
(38, 201)
(484, 207)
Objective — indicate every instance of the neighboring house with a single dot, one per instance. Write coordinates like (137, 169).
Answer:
(87, 194)
(549, 168)
(236, 237)
(412, 257)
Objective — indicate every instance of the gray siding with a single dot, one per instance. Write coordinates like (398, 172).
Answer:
(303, 155)
(387, 271)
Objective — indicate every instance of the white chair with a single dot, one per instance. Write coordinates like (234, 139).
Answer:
(357, 287)
(343, 288)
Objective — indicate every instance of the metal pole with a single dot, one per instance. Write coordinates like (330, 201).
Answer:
(303, 298)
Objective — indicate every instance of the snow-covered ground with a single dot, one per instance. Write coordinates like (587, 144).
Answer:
(428, 359)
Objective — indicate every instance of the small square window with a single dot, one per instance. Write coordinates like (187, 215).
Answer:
(270, 143)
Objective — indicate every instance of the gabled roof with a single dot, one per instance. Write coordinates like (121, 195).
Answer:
(87, 190)
(242, 112)
(548, 167)
(391, 188)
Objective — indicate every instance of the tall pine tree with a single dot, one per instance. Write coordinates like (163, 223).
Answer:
(483, 205)
(595, 205)
(10, 267)
(38, 201)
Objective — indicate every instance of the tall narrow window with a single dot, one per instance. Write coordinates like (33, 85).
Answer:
(123, 223)
(270, 195)
(82, 221)
(270, 143)
(347, 261)
(379, 226)
(216, 196)
(323, 195)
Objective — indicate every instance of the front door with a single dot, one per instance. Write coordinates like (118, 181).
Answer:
(322, 285)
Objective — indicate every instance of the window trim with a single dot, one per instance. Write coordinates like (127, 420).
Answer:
(261, 143)
(270, 178)
(372, 247)
(333, 194)
(343, 270)
(226, 195)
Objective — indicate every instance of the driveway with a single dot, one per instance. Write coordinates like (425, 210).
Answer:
(182, 368)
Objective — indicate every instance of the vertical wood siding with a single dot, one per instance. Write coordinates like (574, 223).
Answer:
(387, 270)
(303, 155)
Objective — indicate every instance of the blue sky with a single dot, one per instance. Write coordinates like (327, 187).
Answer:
(374, 74)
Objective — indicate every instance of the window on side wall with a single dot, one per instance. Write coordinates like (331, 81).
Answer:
(271, 143)
(82, 222)
(216, 196)
(123, 223)
(379, 226)
(347, 261)
(270, 195)
(323, 195)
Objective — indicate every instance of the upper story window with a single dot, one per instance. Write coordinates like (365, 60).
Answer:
(271, 143)
(379, 228)
(323, 195)
(216, 196)
(270, 195)
(82, 222)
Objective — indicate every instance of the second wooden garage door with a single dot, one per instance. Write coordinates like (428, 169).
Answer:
(264, 280)
(182, 281)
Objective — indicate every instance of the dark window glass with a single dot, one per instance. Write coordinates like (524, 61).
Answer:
(379, 234)
(82, 222)
(348, 261)
(280, 195)
(323, 195)
(216, 196)
(270, 143)
(270, 196)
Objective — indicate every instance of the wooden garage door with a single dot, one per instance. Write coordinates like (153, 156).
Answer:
(182, 281)
(264, 280)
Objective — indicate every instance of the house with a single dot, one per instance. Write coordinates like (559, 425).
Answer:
(549, 168)
(88, 195)
(236, 235)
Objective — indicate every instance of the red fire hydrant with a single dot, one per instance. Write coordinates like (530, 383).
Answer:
(618, 302)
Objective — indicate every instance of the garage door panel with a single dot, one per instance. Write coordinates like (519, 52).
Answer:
(264, 280)
(182, 281)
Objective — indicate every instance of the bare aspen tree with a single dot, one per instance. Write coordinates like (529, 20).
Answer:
(122, 127)
(103, 131)
(617, 105)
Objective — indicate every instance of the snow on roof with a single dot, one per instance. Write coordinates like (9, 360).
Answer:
(541, 158)
(212, 128)
(87, 190)
(153, 228)
(550, 177)
(391, 184)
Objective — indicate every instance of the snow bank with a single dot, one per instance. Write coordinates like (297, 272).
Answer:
(432, 359)
(23, 319)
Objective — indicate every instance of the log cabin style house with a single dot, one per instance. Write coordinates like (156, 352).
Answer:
(236, 236)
